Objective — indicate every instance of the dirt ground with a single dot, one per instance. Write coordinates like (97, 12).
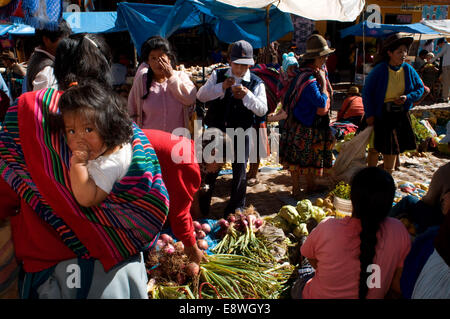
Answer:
(274, 188)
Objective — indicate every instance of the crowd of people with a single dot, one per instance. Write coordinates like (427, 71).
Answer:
(90, 178)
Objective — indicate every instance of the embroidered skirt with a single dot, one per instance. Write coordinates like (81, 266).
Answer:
(307, 149)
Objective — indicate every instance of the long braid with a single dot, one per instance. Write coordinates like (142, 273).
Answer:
(372, 194)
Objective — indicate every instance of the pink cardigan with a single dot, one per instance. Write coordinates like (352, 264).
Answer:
(164, 108)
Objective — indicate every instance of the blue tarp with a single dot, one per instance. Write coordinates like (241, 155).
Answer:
(378, 30)
(80, 22)
(228, 22)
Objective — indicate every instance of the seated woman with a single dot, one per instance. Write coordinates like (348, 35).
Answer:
(352, 109)
(434, 279)
(360, 256)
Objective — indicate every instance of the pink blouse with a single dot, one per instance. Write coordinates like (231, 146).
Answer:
(163, 109)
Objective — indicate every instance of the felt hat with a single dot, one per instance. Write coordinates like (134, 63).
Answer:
(316, 46)
(353, 90)
(396, 39)
(8, 55)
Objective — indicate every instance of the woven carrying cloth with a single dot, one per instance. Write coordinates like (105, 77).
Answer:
(35, 162)
(43, 14)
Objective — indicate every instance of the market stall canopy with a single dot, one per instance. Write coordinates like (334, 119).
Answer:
(93, 22)
(339, 10)
(378, 30)
(442, 26)
(229, 23)
(80, 22)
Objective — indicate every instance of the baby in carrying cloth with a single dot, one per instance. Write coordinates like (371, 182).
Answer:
(98, 131)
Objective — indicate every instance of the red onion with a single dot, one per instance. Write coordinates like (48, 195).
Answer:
(197, 225)
(192, 269)
(202, 244)
(201, 234)
(179, 246)
(166, 238)
(231, 219)
(169, 249)
(258, 223)
(206, 228)
(181, 278)
(223, 223)
(160, 244)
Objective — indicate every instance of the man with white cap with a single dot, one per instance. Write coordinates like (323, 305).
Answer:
(236, 96)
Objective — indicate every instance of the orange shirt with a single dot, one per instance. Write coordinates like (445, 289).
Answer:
(352, 106)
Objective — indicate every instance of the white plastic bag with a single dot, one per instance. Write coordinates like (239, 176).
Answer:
(352, 156)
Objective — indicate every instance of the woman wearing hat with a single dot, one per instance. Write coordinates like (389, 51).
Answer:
(389, 92)
(306, 141)
(14, 74)
(352, 109)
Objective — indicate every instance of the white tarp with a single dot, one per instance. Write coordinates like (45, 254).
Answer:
(339, 10)
(442, 26)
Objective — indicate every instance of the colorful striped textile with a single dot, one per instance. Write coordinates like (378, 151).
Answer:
(292, 95)
(35, 162)
(269, 73)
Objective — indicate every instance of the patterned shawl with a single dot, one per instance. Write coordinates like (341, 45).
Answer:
(35, 162)
(292, 95)
(270, 75)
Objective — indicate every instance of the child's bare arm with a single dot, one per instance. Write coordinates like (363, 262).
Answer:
(86, 192)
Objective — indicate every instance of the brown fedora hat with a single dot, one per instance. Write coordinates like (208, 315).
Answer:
(316, 46)
(396, 39)
(8, 55)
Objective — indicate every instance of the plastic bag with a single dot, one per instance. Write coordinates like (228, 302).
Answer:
(352, 156)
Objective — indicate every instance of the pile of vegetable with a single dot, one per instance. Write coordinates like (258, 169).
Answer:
(342, 190)
(297, 220)
(223, 276)
(239, 236)
(167, 264)
(239, 277)
(200, 233)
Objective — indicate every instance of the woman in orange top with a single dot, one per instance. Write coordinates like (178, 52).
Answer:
(352, 109)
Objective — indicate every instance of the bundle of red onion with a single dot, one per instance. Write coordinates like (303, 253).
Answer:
(167, 263)
(239, 236)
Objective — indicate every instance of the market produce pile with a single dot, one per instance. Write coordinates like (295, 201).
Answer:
(196, 72)
(240, 265)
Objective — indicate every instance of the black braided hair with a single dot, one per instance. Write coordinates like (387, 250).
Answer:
(372, 194)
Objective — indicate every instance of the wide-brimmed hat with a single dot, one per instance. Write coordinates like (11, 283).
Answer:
(316, 46)
(396, 39)
(8, 55)
(242, 53)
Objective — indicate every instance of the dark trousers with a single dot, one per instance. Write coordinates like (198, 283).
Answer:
(238, 184)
